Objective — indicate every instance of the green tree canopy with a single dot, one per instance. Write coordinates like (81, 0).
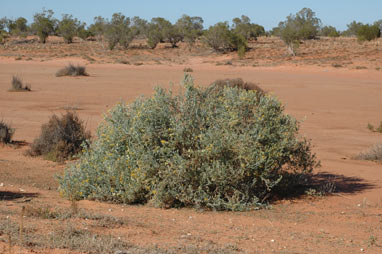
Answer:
(245, 28)
(304, 25)
(44, 24)
(190, 28)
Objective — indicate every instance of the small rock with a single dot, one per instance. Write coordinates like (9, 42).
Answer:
(1, 184)
(272, 241)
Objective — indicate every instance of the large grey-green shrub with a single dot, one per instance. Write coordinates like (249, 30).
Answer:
(219, 147)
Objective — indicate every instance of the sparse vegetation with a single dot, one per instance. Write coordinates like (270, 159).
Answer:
(188, 69)
(373, 154)
(17, 85)
(61, 138)
(220, 148)
(375, 129)
(6, 133)
(72, 70)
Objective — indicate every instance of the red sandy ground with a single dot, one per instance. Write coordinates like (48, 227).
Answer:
(333, 104)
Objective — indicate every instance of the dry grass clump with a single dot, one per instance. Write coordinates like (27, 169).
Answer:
(239, 83)
(6, 132)
(60, 138)
(72, 70)
(373, 154)
(188, 69)
(375, 129)
(17, 85)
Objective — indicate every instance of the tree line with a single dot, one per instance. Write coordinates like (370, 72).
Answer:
(223, 36)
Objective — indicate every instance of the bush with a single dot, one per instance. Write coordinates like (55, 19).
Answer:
(224, 149)
(68, 27)
(18, 27)
(238, 83)
(373, 154)
(72, 70)
(44, 24)
(375, 129)
(304, 25)
(118, 31)
(221, 38)
(368, 32)
(60, 138)
(6, 133)
(17, 85)
(329, 31)
(353, 28)
(188, 69)
(190, 28)
(161, 30)
(246, 29)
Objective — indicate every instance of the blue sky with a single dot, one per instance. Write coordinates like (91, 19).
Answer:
(267, 13)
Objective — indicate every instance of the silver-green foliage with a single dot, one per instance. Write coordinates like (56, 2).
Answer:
(218, 147)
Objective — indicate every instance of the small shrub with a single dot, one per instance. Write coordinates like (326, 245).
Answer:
(223, 148)
(373, 129)
(17, 85)
(60, 138)
(188, 69)
(238, 83)
(373, 154)
(72, 70)
(6, 133)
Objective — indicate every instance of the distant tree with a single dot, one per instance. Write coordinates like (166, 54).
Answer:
(3, 23)
(153, 35)
(221, 38)
(245, 28)
(98, 28)
(118, 30)
(168, 32)
(368, 32)
(139, 26)
(161, 30)
(68, 27)
(378, 24)
(82, 32)
(304, 25)
(329, 31)
(190, 28)
(44, 24)
(353, 28)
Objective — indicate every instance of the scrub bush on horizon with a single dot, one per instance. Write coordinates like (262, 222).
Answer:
(222, 148)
